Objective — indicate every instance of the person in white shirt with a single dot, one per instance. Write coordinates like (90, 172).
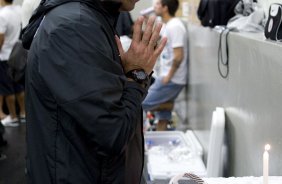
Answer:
(173, 63)
(10, 27)
(28, 7)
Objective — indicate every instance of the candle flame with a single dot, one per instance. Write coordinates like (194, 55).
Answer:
(267, 147)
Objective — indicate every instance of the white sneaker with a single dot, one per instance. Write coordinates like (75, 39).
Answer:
(8, 121)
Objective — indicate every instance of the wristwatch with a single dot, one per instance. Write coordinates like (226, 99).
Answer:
(139, 76)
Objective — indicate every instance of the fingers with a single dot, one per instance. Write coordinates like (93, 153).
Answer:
(143, 51)
(148, 30)
(159, 48)
(120, 49)
(155, 36)
(137, 30)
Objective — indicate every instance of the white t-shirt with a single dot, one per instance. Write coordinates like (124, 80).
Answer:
(176, 37)
(10, 26)
(28, 7)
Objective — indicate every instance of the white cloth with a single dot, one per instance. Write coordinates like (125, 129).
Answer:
(10, 26)
(28, 7)
(249, 23)
(243, 180)
(176, 37)
(230, 180)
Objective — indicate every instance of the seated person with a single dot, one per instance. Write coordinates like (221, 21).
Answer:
(173, 64)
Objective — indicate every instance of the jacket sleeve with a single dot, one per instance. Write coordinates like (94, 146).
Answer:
(77, 67)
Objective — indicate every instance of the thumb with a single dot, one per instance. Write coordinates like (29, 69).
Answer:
(120, 49)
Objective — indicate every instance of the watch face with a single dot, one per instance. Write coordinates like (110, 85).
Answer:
(138, 75)
(141, 75)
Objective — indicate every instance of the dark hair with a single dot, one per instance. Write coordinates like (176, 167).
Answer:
(172, 6)
(9, 1)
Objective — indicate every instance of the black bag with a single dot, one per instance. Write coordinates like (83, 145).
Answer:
(17, 62)
(273, 28)
(216, 12)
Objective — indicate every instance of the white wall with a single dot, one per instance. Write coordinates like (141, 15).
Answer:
(19, 2)
(250, 95)
(140, 5)
(266, 3)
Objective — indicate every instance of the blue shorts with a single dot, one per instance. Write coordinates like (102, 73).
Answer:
(160, 93)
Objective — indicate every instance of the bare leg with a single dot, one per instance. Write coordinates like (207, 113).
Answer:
(2, 114)
(11, 104)
(20, 98)
(162, 125)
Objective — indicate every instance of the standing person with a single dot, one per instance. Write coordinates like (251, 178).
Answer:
(173, 63)
(84, 94)
(10, 27)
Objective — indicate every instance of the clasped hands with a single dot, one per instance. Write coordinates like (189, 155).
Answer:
(145, 48)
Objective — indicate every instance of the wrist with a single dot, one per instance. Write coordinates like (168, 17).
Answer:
(136, 67)
(139, 76)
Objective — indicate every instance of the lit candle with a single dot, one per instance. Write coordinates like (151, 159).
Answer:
(265, 163)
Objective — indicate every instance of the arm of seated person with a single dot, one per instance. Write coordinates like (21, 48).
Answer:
(177, 59)
(1, 40)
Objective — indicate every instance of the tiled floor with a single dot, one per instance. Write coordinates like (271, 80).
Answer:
(12, 169)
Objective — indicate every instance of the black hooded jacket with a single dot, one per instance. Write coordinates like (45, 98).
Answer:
(84, 123)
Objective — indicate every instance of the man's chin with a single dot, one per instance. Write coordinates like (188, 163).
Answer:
(127, 8)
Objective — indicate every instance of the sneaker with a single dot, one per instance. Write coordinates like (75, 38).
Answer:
(170, 125)
(22, 119)
(8, 121)
(2, 157)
